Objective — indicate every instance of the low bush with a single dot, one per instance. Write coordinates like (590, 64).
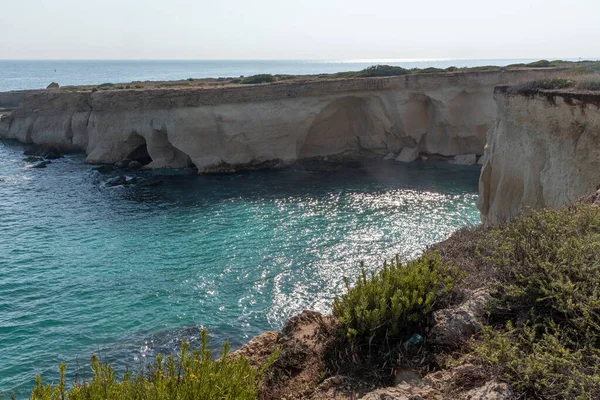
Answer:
(539, 64)
(589, 84)
(587, 67)
(545, 84)
(429, 70)
(397, 301)
(544, 332)
(262, 78)
(381, 70)
(192, 375)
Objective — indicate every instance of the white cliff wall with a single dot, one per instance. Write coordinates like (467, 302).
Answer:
(543, 151)
(236, 127)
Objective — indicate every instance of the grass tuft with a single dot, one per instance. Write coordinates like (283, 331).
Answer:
(192, 375)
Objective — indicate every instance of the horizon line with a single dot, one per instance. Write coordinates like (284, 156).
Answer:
(316, 60)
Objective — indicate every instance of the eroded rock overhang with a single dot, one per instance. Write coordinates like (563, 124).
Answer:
(276, 124)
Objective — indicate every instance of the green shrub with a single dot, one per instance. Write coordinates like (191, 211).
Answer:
(395, 302)
(94, 90)
(429, 70)
(189, 376)
(539, 64)
(381, 70)
(587, 67)
(546, 341)
(545, 84)
(589, 84)
(262, 78)
(541, 361)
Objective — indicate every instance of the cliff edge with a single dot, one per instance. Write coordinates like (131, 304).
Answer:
(231, 128)
(543, 151)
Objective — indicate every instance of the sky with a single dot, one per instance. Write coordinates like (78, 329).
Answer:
(305, 29)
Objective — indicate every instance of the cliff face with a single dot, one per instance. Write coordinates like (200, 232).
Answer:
(237, 127)
(543, 151)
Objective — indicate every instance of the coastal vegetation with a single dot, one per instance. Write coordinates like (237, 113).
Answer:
(191, 375)
(262, 78)
(577, 68)
(543, 334)
(542, 331)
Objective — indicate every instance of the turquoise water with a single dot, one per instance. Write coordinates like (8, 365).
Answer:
(29, 74)
(130, 271)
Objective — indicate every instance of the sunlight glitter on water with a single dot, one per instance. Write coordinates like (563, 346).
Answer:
(131, 271)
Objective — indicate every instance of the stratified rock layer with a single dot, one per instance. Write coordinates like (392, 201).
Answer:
(543, 151)
(223, 129)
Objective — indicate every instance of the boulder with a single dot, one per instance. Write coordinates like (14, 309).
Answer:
(455, 325)
(53, 85)
(482, 160)
(408, 154)
(31, 159)
(121, 180)
(103, 169)
(389, 156)
(492, 390)
(134, 165)
(124, 163)
(464, 159)
(42, 164)
(52, 156)
(152, 181)
(42, 150)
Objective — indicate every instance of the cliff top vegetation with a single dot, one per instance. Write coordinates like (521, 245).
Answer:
(372, 71)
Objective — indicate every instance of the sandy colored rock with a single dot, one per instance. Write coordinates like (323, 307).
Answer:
(464, 159)
(455, 325)
(543, 151)
(231, 128)
(408, 155)
(490, 391)
(482, 160)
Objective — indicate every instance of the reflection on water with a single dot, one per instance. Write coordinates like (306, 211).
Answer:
(129, 271)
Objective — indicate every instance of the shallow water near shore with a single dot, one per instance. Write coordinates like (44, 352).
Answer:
(130, 271)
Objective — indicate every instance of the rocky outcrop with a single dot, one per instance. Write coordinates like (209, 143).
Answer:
(543, 151)
(229, 128)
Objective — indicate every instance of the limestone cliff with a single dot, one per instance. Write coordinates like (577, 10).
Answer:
(241, 126)
(543, 151)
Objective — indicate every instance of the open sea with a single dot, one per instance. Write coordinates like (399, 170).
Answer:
(29, 74)
(128, 272)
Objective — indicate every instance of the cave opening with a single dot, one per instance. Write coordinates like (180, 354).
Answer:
(140, 149)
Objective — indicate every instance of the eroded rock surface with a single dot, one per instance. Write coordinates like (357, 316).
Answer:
(224, 129)
(455, 325)
(543, 151)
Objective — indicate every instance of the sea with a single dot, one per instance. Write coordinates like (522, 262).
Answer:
(128, 272)
(37, 74)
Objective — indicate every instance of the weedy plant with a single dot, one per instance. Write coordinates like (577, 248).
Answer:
(395, 301)
(383, 312)
(544, 332)
(192, 375)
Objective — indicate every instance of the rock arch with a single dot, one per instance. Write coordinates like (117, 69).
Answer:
(345, 125)
(136, 149)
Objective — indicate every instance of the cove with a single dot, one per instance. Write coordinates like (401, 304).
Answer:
(128, 271)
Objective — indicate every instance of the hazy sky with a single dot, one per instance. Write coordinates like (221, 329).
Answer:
(302, 29)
